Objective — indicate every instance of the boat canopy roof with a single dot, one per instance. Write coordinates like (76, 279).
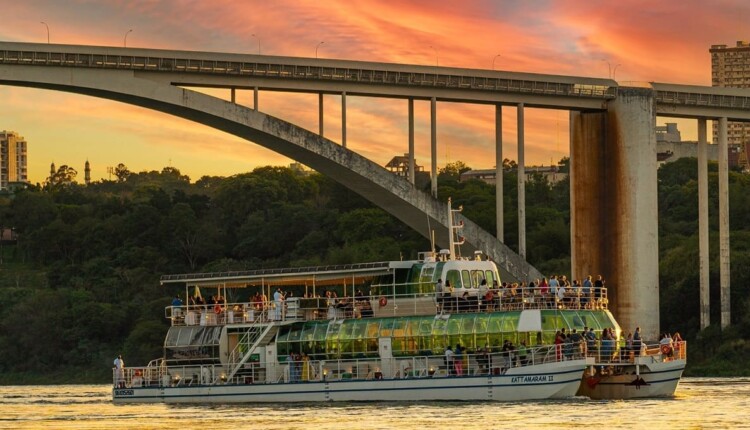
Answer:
(319, 275)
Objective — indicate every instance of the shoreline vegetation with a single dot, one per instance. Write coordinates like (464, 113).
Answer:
(80, 280)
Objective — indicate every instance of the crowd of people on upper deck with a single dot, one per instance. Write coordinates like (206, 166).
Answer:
(555, 293)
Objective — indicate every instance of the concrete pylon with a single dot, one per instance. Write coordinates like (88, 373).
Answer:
(614, 211)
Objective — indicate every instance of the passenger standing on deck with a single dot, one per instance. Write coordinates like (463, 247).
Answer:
(449, 360)
(458, 360)
(278, 298)
(176, 306)
(448, 296)
(637, 341)
(559, 339)
(599, 291)
(586, 294)
(554, 285)
(523, 353)
(119, 372)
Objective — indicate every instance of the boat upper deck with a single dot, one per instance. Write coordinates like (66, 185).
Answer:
(374, 305)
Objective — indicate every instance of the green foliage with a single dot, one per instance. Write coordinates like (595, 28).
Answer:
(81, 285)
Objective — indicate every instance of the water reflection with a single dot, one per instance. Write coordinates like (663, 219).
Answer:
(699, 403)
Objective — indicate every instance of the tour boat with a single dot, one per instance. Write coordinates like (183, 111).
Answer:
(370, 332)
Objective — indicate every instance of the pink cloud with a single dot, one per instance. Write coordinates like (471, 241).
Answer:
(651, 41)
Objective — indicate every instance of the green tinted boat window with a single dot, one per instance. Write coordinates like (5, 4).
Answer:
(386, 327)
(332, 340)
(467, 331)
(495, 332)
(454, 277)
(439, 329)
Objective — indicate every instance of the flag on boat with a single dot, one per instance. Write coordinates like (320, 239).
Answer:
(197, 293)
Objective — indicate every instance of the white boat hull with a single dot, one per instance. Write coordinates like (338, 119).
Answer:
(543, 381)
(656, 379)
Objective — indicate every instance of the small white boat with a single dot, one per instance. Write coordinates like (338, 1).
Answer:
(655, 373)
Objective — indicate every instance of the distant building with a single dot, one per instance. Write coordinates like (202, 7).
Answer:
(400, 166)
(668, 133)
(730, 68)
(551, 173)
(670, 147)
(13, 159)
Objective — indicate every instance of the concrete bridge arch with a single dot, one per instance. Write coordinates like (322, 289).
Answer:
(388, 191)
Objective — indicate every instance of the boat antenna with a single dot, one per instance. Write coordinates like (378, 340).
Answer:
(431, 234)
(451, 241)
(432, 241)
(455, 237)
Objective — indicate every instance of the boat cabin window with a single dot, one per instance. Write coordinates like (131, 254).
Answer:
(426, 335)
(467, 279)
(454, 276)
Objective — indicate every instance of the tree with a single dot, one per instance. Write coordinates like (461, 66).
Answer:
(64, 176)
(122, 173)
(454, 170)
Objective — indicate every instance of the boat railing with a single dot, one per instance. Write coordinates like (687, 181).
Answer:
(609, 351)
(313, 370)
(374, 305)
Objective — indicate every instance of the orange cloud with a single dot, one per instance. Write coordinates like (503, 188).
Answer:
(650, 41)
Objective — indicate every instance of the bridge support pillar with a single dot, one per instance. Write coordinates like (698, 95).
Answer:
(433, 145)
(614, 227)
(412, 174)
(499, 221)
(255, 98)
(521, 186)
(320, 114)
(724, 223)
(705, 304)
(343, 119)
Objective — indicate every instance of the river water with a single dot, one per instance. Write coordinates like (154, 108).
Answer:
(698, 403)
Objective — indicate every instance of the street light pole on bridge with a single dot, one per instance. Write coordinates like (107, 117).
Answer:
(125, 39)
(253, 35)
(316, 49)
(47, 26)
(493, 61)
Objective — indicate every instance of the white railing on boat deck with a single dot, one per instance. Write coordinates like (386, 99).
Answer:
(322, 308)
(495, 363)
(608, 351)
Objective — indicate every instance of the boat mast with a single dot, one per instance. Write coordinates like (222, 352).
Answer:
(451, 241)
(453, 232)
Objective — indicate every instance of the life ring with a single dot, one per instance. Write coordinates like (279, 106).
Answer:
(666, 349)
(217, 308)
(383, 301)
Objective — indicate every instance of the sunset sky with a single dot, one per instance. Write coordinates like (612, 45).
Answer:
(647, 41)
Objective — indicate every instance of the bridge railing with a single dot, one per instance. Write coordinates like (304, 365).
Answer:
(296, 71)
(700, 99)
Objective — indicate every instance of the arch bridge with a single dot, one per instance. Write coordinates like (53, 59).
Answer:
(611, 125)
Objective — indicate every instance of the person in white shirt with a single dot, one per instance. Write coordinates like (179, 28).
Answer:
(120, 371)
(278, 298)
(449, 360)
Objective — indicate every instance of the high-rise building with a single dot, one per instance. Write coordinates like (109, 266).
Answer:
(13, 159)
(730, 67)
